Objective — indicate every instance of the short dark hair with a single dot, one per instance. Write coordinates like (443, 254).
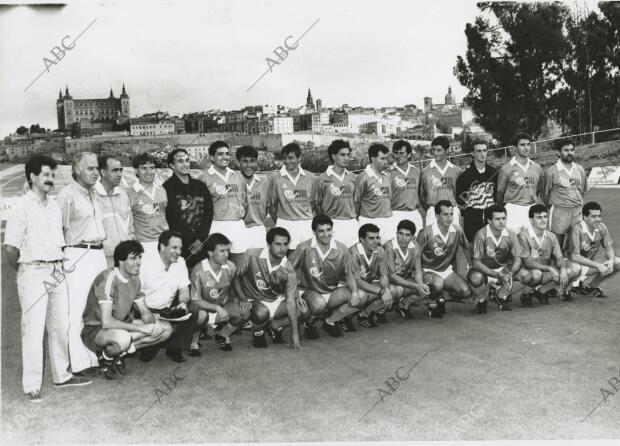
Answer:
(537, 209)
(165, 236)
(559, 143)
(407, 225)
(291, 147)
(591, 206)
(336, 146)
(246, 152)
(217, 145)
(124, 249)
(442, 203)
(102, 161)
(479, 142)
(143, 158)
(492, 209)
(273, 232)
(366, 228)
(321, 220)
(34, 164)
(400, 144)
(216, 239)
(375, 149)
(519, 136)
(442, 141)
(173, 152)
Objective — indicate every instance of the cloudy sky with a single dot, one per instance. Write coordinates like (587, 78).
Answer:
(184, 56)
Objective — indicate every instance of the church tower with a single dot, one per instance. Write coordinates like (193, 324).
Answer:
(449, 97)
(124, 102)
(309, 101)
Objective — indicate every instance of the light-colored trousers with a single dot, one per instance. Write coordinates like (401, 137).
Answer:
(44, 302)
(82, 267)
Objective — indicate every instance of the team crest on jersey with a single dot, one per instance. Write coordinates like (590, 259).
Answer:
(315, 272)
(260, 282)
(567, 182)
(221, 190)
(363, 271)
(585, 246)
(439, 250)
(335, 190)
(215, 293)
(148, 209)
(289, 194)
(401, 182)
(183, 203)
(490, 251)
(437, 182)
(378, 191)
(535, 253)
(519, 179)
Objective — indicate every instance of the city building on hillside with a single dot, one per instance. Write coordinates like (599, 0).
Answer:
(151, 126)
(111, 109)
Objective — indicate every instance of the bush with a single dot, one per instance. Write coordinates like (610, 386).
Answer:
(316, 160)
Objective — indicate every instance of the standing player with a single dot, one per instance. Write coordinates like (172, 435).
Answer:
(257, 199)
(475, 189)
(373, 191)
(438, 181)
(293, 196)
(439, 244)
(405, 267)
(228, 191)
(266, 280)
(587, 238)
(405, 183)
(518, 185)
(335, 193)
(564, 184)
(110, 329)
(496, 262)
(542, 256)
(148, 203)
(211, 294)
(326, 281)
(371, 273)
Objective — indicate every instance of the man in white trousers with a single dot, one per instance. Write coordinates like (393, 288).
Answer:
(82, 221)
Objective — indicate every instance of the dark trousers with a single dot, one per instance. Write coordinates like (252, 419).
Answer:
(473, 221)
(182, 335)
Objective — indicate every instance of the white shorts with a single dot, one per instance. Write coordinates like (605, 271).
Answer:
(273, 306)
(346, 231)
(583, 275)
(300, 230)
(430, 216)
(233, 229)
(384, 224)
(211, 317)
(492, 280)
(325, 296)
(254, 237)
(414, 216)
(517, 217)
(443, 274)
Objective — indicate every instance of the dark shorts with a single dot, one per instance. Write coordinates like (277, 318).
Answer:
(89, 333)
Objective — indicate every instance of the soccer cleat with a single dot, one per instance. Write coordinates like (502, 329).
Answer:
(405, 313)
(195, 352)
(503, 303)
(347, 325)
(594, 292)
(107, 369)
(381, 317)
(148, 353)
(567, 296)
(204, 334)
(366, 321)
(552, 293)
(441, 306)
(332, 330)
(481, 307)
(119, 365)
(526, 300)
(581, 289)
(310, 331)
(275, 334)
(34, 396)
(259, 340)
(175, 354)
(434, 311)
(542, 298)
(74, 381)
(247, 326)
(225, 345)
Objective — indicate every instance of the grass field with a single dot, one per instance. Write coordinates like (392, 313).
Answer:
(533, 373)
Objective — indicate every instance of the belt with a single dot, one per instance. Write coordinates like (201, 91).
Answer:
(44, 262)
(86, 246)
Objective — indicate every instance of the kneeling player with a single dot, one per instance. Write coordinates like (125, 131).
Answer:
(587, 237)
(439, 243)
(109, 328)
(211, 294)
(497, 261)
(325, 277)
(405, 267)
(265, 278)
(371, 274)
(542, 256)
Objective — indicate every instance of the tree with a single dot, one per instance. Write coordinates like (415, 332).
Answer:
(511, 69)
(35, 128)
(21, 130)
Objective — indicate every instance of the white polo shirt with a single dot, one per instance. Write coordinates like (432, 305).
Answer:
(160, 286)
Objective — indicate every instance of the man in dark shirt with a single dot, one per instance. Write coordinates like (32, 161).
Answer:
(190, 207)
(475, 189)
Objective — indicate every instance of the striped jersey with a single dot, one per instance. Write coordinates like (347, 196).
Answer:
(587, 243)
(439, 184)
(148, 206)
(401, 262)
(541, 248)
(405, 184)
(228, 193)
(295, 196)
(334, 194)
(257, 276)
(210, 286)
(112, 287)
(318, 271)
(373, 193)
(438, 251)
(258, 201)
(367, 268)
(519, 184)
(564, 187)
(496, 252)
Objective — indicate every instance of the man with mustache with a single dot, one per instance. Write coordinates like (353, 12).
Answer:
(563, 187)
(34, 240)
